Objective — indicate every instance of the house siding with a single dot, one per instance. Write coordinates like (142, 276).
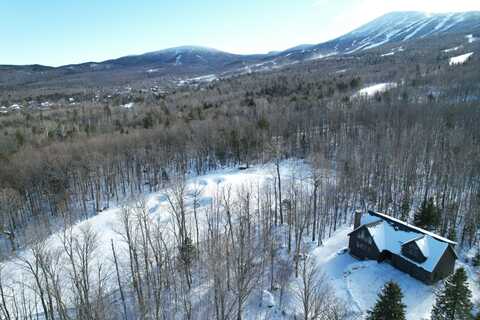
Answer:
(445, 265)
(412, 269)
(362, 246)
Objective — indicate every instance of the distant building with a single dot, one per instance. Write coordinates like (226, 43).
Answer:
(423, 255)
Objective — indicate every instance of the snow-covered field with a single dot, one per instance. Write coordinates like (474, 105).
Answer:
(374, 89)
(461, 59)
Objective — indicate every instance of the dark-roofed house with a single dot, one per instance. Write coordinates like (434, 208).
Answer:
(422, 254)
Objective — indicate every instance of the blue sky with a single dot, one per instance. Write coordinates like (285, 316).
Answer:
(57, 32)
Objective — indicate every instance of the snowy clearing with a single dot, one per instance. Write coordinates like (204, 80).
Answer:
(128, 105)
(374, 89)
(452, 49)
(470, 38)
(387, 54)
(461, 59)
(201, 79)
(106, 225)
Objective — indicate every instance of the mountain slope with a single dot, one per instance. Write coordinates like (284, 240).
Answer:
(184, 57)
(396, 27)
(188, 61)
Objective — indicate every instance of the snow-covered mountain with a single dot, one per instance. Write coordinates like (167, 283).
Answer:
(183, 56)
(173, 60)
(389, 28)
(188, 61)
(397, 27)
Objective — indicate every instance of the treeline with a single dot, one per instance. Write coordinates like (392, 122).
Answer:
(390, 156)
(391, 151)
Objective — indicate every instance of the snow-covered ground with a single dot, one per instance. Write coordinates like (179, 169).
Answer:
(470, 38)
(201, 79)
(374, 89)
(452, 49)
(461, 59)
(355, 282)
(128, 105)
(106, 225)
(387, 54)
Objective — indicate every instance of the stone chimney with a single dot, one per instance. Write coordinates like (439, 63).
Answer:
(357, 219)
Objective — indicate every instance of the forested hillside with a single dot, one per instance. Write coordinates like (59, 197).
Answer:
(389, 148)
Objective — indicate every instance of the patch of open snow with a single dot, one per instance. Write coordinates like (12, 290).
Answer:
(128, 105)
(16, 106)
(376, 88)
(452, 49)
(267, 299)
(387, 54)
(206, 78)
(470, 38)
(358, 48)
(377, 44)
(178, 60)
(321, 56)
(461, 59)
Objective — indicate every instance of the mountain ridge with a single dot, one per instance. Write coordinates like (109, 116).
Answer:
(379, 22)
(397, 26)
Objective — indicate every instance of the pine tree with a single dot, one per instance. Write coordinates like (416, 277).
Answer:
(427, 216)
(452, 233)
(405, 207)
(187, 252)
(454, 302)
(389, 305)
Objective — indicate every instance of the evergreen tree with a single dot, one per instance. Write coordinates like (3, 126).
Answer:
(452, 233)
(454, 302)
(427, 216)
(389, 305)
(187, 252)
(405, 207)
